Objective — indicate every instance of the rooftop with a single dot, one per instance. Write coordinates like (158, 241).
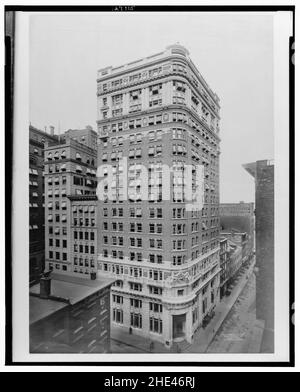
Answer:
(42, 133)
(251, 167)
(42, 308)
(68, 289)
(175, 50)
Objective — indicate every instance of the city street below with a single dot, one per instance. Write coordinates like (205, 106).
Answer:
(236, 332)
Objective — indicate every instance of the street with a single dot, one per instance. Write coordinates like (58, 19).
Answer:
(236, 331)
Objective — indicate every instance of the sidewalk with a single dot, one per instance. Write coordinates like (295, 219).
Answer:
(203, 337)
(140, 343)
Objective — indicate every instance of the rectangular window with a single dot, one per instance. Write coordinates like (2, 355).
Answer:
(135, 303)
(156, 325)
(118, 316)
(136, 320)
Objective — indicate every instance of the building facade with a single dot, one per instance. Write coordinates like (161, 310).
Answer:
(263, 174)
(70, 315)
(70, 179)
(153, 112)
(224, 265)
(86, 136)
(235, 256)
(37, 140)
(239, 217)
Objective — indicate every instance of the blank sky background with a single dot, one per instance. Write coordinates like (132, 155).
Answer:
(233, 51)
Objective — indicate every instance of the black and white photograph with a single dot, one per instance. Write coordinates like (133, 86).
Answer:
(152, 186)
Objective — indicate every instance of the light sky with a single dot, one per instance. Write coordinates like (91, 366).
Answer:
(233, 52)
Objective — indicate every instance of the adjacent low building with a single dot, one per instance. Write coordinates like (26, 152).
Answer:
(70, 314)
(235, 254)
(231, 260)
(240, 218)
(224, 264)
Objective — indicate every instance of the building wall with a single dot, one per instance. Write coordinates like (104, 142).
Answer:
(84, 227)
(235, 261)
(159, 111)
(240, 223)
(86, 136)
(264, 201)
(80, 328)
(239, 217)
(224, 265)
(263, 173)
(70, 170)
(37, 140)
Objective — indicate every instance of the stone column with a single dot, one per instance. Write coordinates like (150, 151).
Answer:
(145, 98)
(126, 103)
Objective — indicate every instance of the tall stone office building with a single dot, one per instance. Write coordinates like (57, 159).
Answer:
(158, 111)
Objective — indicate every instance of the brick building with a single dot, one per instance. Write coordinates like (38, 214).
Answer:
(86, 136)
(70, 314)
(239, 217)
(153, 112)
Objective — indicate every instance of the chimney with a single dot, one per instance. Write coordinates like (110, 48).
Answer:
(45, 285)
(51, 130)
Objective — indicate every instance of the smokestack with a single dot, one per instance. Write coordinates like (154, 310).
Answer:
(45, 285)
(51, 130)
